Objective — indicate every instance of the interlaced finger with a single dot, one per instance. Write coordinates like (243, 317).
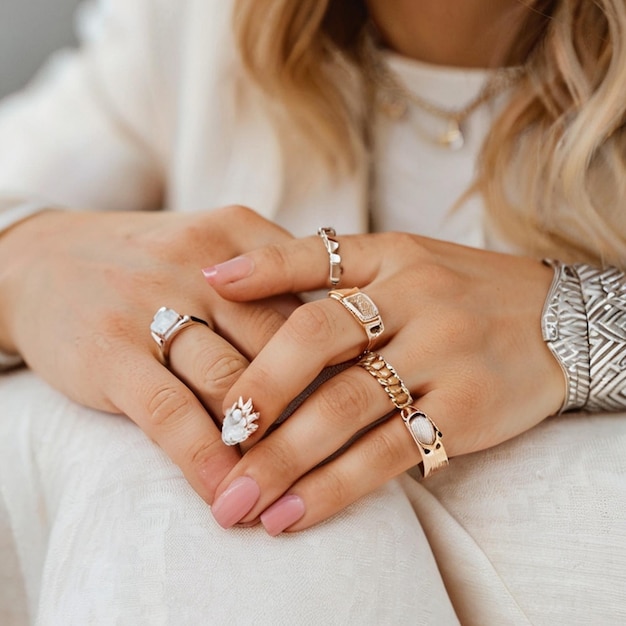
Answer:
(315, 335)
(378, 456)
(169, 412)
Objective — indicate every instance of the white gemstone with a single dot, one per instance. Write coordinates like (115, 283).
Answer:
(163, 320)
(423, 430)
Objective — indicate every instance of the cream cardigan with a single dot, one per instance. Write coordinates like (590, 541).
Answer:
(155, 113)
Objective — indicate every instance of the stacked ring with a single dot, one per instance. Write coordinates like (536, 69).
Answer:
(427, 437)
(328, 235)
(363, 309)
(383, 372)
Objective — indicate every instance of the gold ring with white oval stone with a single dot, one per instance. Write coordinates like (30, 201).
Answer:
(166, 324)
(427, 437)
(387, 377)
(363, 309)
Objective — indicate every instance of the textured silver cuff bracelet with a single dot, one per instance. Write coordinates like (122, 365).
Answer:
(584, 325)
(604, 295)
(564, 329)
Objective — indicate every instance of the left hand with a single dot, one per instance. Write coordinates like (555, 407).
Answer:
(462, 329)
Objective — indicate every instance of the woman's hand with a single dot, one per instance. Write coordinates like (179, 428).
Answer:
(78, 293)
(462, 329)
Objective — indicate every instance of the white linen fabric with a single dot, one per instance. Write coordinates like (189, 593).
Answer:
(97, 526)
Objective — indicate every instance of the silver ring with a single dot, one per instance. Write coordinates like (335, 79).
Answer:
(166, 324)
(427, 437)
(239, 422)
(363, 309)
(328, 235)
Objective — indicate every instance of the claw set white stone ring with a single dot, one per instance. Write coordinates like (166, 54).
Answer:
(239, 422)
(166, 324)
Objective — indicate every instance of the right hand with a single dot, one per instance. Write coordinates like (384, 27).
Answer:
(78, 292)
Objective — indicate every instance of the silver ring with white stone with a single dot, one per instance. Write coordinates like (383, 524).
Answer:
(239, 422)
(427, 437)
(166, 324)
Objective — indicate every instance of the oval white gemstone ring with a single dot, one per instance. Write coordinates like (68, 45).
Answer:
(427, 437)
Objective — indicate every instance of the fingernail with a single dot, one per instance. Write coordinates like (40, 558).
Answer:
(237, 501)
(282, 514)
(229, 271)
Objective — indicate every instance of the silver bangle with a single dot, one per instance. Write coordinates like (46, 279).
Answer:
(604, 295)
(564, 329)
(584, 325)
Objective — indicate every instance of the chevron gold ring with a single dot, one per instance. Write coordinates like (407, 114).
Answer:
(387, 377)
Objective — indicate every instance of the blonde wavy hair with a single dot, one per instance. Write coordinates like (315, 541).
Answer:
(552, 171)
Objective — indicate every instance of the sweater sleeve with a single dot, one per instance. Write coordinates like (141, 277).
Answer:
(84, 133)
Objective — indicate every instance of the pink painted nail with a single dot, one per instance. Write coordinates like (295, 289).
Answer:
(229, 271)
(238, 500)
(282, 514)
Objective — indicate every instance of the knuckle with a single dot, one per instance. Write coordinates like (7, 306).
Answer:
(275, 257)
(384, 455)
(232, 213)
(402, 241)
(457, 326)
(344, 401)
(203, 451)
(310, 324)
(267, 321)
(218, 374)
(438, 278)
(168, 406)
(239, 211)
(335, 490)
(276, 455)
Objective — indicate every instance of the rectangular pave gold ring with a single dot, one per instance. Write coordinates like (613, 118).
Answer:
(427, 437)
(363, 309)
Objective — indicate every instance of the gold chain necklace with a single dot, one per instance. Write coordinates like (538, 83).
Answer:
(392, 96)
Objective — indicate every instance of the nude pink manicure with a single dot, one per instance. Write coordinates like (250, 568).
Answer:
(282, 514)
(229, 271)
(236, 502)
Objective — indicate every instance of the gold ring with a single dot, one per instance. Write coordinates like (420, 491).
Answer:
(427, 437)
(363, 309)
(388, 378)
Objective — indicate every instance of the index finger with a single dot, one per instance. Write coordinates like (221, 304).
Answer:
(170, 414)
(295, 266)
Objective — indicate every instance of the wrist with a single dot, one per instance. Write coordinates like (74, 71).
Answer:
(17, 245)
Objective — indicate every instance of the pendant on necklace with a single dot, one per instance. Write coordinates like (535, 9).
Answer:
(453, 137)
